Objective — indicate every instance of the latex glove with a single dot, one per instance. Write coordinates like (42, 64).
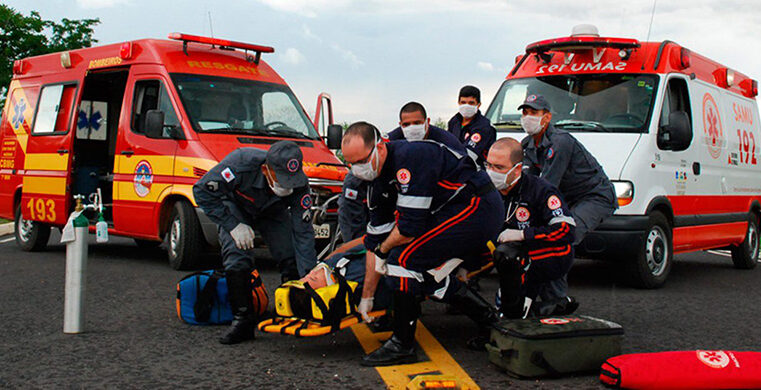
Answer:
(243, 236)
(366, 306)
(510, 235)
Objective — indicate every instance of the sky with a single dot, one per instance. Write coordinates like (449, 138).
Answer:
(372, 56)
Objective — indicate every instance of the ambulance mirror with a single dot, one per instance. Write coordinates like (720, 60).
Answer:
(677, 134)
(335, 133)
(154, 123)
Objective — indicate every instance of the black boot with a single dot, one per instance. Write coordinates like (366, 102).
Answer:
(400, 348)
(558, 307)
(477, 309)
(241, 302)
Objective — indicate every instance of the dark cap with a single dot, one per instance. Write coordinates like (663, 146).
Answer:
(285, 158)
(537, 102)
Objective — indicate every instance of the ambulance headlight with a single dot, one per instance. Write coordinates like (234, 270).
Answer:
(624, 192)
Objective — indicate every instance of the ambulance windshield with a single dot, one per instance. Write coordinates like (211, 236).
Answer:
(227, 105)
(618, 103)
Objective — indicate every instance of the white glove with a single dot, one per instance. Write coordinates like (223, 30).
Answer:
(510, 235)
(365, 306)
(243, 236)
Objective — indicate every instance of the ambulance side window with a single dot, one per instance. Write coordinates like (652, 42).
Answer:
(676, 99)
(152, 95)
(54, 109)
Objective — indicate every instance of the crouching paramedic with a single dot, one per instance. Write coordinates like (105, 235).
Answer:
(447, 210)
(537, 240)
(268, 191)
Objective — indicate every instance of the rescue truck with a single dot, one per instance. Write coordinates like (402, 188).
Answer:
(142, 121)
(676, 132)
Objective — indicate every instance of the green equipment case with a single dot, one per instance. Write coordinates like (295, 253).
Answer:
(553, 346)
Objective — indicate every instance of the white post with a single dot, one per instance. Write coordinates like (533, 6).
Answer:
(76, 272)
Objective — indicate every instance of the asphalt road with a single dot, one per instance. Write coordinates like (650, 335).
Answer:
(134, 339)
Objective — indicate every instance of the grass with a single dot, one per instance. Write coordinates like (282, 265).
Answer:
(2, 221)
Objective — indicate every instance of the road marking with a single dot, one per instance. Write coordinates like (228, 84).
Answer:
(7, 240)
(439, 361)
(720, 253)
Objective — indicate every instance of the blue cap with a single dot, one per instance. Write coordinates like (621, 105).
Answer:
(285, 158)
(537, 102)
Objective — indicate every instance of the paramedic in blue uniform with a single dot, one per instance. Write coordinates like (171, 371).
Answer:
(414, 124)
(470, 127)
(560, 159)
(428, 204)
(537, 240)
(267, 191)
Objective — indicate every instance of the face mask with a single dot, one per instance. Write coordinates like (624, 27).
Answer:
(276, 188)
(500, 179)
(365, 171)
(414, 132)
(280, 191)
(467, 111)
(532, 124)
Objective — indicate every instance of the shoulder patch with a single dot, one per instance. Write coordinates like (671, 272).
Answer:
(351, 194)
(553, 202)
(306, 201)
(403, 176)
(550, 153)
(228, 174)
(522, 214)
(475, 137)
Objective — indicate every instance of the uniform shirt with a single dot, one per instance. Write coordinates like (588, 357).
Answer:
(238, 178)
(564, 162)
(478, 136)
(417, 179)
(537, 208)
(352, 204)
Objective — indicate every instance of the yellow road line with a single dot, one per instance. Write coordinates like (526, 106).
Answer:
(439, 361)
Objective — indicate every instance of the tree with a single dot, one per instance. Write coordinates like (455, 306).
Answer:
(25, 36)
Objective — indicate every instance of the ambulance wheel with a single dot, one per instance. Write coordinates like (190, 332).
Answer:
(184, 238)
(31, 236)
(745, 256)
(651, 265)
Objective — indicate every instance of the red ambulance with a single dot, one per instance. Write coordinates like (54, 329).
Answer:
(76, 121)
(675, 131)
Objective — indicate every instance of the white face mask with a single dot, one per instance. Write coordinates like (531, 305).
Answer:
(365, 171)
(414, 132)
(500, 179)
(279, 190)
(467, 111)
(532, 124)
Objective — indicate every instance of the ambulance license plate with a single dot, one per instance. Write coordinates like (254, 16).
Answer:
(321, 231)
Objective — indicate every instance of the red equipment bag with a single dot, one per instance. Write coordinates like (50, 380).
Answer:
(684, 370)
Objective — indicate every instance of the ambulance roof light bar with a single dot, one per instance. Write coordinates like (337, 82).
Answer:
(223, 44)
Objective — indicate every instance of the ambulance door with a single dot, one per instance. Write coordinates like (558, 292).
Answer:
(680, 170)
(144, 165)
(323, 116)
(46, 173)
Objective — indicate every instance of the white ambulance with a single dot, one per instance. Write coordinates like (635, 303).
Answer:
(677, 133)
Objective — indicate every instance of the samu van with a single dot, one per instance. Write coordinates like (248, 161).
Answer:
(142, 121)
(677, 133)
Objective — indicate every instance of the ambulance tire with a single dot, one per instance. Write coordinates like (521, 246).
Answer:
(745, 256)
(30, 236)
(650, 266)
(184, 237)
